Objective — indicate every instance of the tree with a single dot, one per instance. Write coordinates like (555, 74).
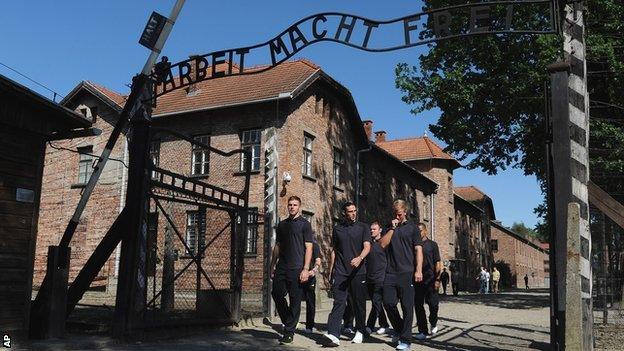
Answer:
(490, 92)
(526, 232)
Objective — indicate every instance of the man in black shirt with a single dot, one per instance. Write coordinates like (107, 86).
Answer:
(404, 251)
(427, 290)
(292, 253)
(310, 288)
(444, 279)
(375, 274)
(350, 245)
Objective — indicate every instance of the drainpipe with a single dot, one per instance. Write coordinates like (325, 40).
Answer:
(357, 174)
(431, 211)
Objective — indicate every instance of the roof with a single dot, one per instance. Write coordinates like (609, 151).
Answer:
(412, 149)
(531, 242)
(468, 203)
(37, 113)
(431, 182)
(470, 193)
(474, 195)
(284, 81)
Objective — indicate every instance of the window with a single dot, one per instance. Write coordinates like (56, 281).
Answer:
(362, 185)
(338, 161)
(381, 194)
(250, 141)
(154, 152)
(94, 111)
(307, 155)
(452, 231)
(426, 208)
(85, 164)
(251, 237)
(201, 156)
(399, 189)
(450, 190)
(413, 204)
(192, 230)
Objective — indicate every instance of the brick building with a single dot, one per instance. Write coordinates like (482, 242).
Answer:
(518, 256)
(319, 133)
(428, 158)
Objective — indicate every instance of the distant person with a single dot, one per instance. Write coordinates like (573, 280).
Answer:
(427, 290)
(487, 281)
(482, 278)
(526, 281)
(376, 272)
(495, 280)
(455, 280)
(310, 288)
(444, 279)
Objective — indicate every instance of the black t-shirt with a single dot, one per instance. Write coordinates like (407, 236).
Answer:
(401, 249)
(431, 255)
(348, 242)
(316, 253)
(376, 262)
(444, 276)
(292, 234)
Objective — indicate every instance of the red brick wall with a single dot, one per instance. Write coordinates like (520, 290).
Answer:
(59, 198)
(521, 257)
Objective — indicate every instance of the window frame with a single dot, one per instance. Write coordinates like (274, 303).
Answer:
(307, 169)
(85, 158)
(189, 225)
(338, 165)
(252, 232)
(255, 153)
(205, 153)
(154, 154)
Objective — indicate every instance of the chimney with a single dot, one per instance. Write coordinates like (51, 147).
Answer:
(192, 88)
(368, 128)
(380, 136)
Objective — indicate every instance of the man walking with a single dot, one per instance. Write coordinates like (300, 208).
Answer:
(444, 279)
(455, 279)
(310, 288)
(487, 281)
(427, 290)
(376, 271)
(526, 281)
(292, 253)
(495, 280)
(482, 280)
(405, 258)
(350, 245)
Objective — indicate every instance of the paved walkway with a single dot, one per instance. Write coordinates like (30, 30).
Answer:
(508, 321)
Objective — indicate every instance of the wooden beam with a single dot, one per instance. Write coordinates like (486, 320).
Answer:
(606, 204)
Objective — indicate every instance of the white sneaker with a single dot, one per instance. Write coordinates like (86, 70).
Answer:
(420, 336)
(308, 330)
(357, 339)
(334, 341)
(434, 330)
(368, 330)
(381, 331)
(403, 346)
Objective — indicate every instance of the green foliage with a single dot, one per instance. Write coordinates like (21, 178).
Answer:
(526, 232)
(490, 91)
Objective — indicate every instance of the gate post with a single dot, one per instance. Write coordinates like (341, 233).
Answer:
(132, 283)
(570, 124)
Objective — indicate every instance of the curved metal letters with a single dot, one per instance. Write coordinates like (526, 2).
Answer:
(495, 17)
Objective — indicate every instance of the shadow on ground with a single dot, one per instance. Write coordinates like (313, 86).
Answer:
(516, 299)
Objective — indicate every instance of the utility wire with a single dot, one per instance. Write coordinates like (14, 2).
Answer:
(96, 157)
(34, 81)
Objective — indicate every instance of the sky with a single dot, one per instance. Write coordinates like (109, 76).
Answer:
(60, 43)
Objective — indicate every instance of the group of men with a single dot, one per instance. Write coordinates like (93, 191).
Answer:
(484, 279)
(391, 265)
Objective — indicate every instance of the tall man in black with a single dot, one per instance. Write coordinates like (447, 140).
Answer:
(375, 274)
(404, 251)
(292, 253)
(350, 245)
(427, 290)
